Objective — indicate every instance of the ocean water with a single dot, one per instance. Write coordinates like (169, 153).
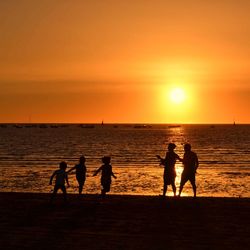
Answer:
(30, 153)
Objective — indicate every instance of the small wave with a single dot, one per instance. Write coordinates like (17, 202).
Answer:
(236, 173)
(225, 162)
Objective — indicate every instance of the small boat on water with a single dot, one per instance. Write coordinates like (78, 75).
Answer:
(30, 126)
(86, 126)
(174, 126)
(18, 126)
(143, 126)
(43, 126)
(54, 126)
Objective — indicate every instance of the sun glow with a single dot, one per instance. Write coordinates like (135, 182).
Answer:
(177, 95)
(176, 102)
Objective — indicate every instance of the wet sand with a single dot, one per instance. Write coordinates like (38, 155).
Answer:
(123, 222)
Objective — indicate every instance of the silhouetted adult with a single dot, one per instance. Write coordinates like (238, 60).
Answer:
(80, 173)
(190, 163)
(169, 168)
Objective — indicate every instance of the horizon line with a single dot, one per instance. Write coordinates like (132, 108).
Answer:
(132, 123)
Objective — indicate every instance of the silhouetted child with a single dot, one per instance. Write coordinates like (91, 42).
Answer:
(190, 163)
(107, 173)
(169, 174)
(80, 173)
(61, 176)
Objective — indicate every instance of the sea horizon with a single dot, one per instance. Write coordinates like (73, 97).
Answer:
(124, 123)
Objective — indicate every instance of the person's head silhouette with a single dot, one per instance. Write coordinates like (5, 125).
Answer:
(63, 165)
(106, 159)
(187, 147)
(171, 146)
(82, 160)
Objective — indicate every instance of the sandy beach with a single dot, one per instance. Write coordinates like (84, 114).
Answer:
(123, 222)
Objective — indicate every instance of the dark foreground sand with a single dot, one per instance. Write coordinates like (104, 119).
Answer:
(123, 222)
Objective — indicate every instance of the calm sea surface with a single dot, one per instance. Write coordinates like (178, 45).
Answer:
(29, 155)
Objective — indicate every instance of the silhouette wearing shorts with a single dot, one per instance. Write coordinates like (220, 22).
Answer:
(61, 177)
(190, 163)
(80, 170)
(107, 173)
(169, 168)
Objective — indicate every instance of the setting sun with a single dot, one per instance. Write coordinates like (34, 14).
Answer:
(177, 95)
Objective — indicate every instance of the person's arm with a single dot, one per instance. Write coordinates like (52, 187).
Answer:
(196, 162)
(66, 178)
(71, 169)
(97, 171)
(179, 158)
(51, 178)
(162, 161)
(158, 157)
(113, 175)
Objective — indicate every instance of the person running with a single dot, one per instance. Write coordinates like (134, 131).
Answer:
(107, 173)
(190, 163)
(169, 168)
(61, 177)
(80, 173)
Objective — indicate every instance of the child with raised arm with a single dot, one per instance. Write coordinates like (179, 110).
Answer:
(107, 173)
(61, 176)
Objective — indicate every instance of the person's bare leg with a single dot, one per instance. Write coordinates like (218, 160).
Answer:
(64, 194)
(165, 188)
(80, 188)
(180, 190)
(53, 195)
(194, 189)
(174, 188)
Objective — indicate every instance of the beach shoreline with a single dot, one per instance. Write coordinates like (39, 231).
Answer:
(28, 221)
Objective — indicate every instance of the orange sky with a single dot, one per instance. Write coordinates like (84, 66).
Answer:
(84, 61)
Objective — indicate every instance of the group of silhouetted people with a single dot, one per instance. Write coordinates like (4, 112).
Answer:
(190, 163)
(189, 160)
(80, 171)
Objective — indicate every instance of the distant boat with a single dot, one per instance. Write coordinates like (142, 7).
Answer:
(143, 126)
(30, 126)
(53, 126)
(64, 125)
(87, 126)
(174, 126)
(43, 126)
(18, 126)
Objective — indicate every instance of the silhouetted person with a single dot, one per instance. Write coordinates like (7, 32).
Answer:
(61, 177)
(190, 163)
(169, 168)
(80, 173)
(107, 173)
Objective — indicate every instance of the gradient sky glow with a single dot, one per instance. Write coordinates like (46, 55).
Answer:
(117, 61)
